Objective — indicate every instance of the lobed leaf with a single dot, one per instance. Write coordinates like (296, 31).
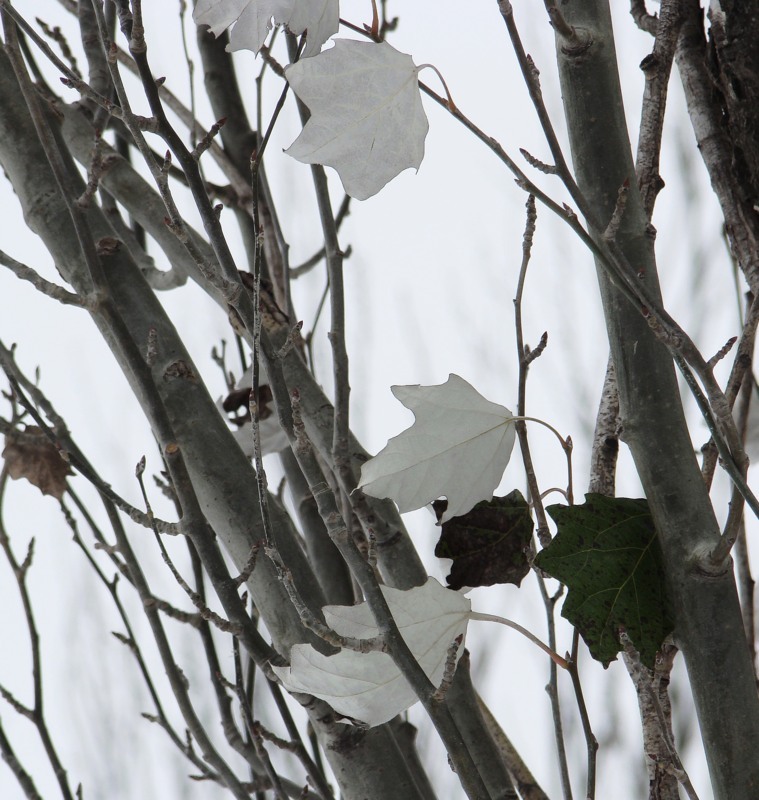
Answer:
(252, 20)
(368, 686)
(489, 544)
(458, 446)
(31, 455)
(607, 553)
(367, 119)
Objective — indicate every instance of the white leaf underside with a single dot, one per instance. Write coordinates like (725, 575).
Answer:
(367, 119)
(458, 447)
(252, 20)
(368, 686)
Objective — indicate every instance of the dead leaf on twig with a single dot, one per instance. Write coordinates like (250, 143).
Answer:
(30, 454)
(489, 544)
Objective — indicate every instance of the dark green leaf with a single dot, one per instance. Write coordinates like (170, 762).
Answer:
(488, 544)
(607, 553)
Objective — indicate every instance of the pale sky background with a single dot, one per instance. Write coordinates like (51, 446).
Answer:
(429, 292)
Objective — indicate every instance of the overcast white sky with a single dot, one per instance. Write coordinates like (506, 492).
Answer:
(430, 287)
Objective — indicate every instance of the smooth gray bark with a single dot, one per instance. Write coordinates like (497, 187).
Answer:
(366, 763)
(398, 560)
(707, 614)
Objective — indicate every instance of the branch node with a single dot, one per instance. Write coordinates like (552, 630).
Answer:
(293, 338)
(449, 670)
(722, 352)
(619, 210)
(206, 141)
(531, 355)
(548, 169)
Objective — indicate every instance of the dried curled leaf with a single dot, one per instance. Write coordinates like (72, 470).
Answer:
(30, 454)
(489, 544)
(236, 406)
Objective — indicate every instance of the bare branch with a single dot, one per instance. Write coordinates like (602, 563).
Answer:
(656, 68)
(665, 769)
(52, 290)
(603, 460)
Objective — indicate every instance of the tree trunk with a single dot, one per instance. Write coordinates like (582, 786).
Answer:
(366, 763)
(708, 624)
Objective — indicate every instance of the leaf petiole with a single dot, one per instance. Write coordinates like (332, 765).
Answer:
(451, 105)
(566, 446)
(555, 657)
(545, 424)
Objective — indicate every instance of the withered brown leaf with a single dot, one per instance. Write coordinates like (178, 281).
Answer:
(30, 454)
(488, 544)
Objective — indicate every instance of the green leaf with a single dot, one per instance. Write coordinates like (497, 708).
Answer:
(488, 544)
(607, 553)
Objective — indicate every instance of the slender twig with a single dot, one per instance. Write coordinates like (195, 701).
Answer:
(73, 78)
(722, 352)
(733, 523)
(569, 36)
(736, 473)
(396, 646)
(252, 728)
(57, 35)
(61, 438)
(36, 714)
(24, 779)
(375, 644)
(48, 288)
(340, 366)
(197, 600)
(129, 639)
(264, 140)
(310, 263)
(566, 443)
(317, 316)
(741, 367)
(541, 166)
(194, 128)
(449, 669)
(543, 533)
(591, 742)
(657, 68)
(238, 182)
(261, 481)
(176, 678)
(314, 767)
(223, 699)
(207, 140)
(552, 688)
